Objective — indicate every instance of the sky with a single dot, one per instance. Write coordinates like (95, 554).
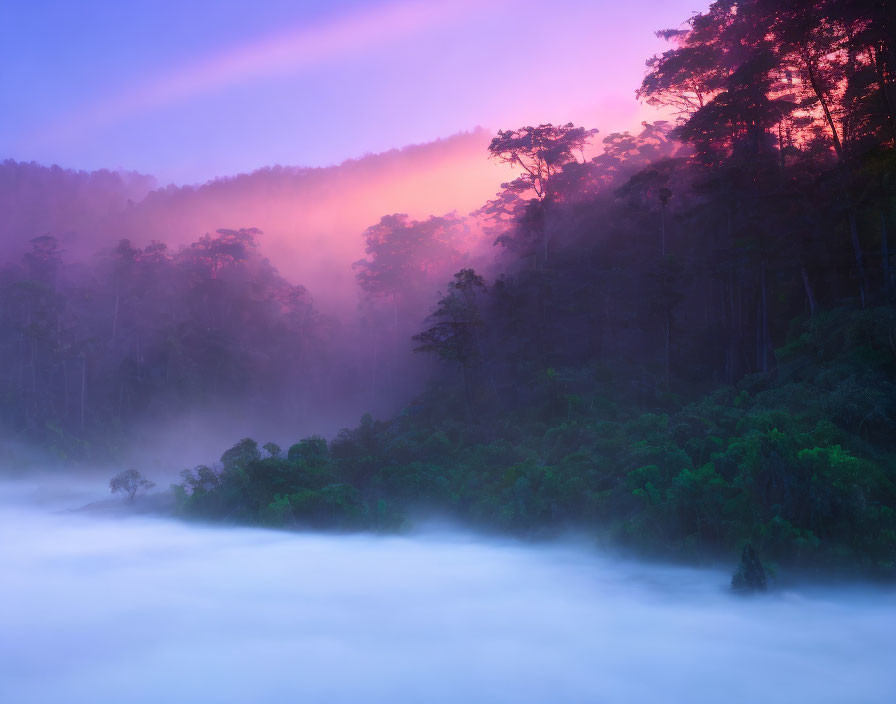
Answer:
(188, 91)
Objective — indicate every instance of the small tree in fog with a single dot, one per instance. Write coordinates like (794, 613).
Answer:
(129, 482)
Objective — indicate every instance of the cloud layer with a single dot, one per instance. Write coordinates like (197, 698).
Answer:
(105, 609)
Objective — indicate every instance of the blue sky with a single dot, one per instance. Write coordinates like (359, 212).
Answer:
(191, 90)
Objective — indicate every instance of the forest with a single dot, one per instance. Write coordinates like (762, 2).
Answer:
(679, 340)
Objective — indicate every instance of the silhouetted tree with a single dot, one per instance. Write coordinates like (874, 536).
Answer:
(454, 334)
(129, 482)
(542, 153)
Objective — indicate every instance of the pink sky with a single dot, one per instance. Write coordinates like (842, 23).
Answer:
(216, 88)
(189, 92)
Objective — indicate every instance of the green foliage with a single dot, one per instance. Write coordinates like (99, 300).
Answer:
(311, 450)
(304, 489)
(241, 454)
(273, 449)
(766, 463)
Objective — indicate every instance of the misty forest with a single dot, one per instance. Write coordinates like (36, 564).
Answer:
(673, 345)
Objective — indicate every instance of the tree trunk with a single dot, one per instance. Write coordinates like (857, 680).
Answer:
(810, 294)
(729, 316)
(83, 386)
(857, 253)
(115, 317)
(373, 377)
(734, 322)
(781, 147)
(485, 364)
(885, 254)
(65, 390)
(822, 99)
(838, 148)
(33, 370)
(880, 71)
(762, 323)
(663, 230)
(467, 392)
(667, 354)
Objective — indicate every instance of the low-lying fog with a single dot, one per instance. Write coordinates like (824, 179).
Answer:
(97, 607)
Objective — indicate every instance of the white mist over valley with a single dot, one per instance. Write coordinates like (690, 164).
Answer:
(106, 605)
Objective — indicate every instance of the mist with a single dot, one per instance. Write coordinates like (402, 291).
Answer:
(311, 218)
(101, 606)
(83, 236)
(540, 412)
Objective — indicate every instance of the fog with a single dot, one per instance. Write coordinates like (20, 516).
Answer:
(312, 218)
(109, 606)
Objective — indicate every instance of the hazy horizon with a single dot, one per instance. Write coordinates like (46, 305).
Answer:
(215, 93)
(153, 182)
(309, 234)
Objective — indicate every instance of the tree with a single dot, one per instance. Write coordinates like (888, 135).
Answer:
(273, 449)
(42, 262)
(686, 77)
(815, 77)
(545, 154)
(403, 255)
(541, 152)
(241, 454)
(454, 337)
(129, 482)
(404, 260)
(625, 154)
(227, 247)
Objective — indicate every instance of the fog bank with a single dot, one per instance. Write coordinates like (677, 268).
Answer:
(312, 218)
(98, 608)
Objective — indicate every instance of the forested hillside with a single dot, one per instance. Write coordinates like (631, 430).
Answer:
(144, 332)
(689, 340)
(685, 342)
(311, 217)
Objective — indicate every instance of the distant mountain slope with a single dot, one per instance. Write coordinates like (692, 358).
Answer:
(70, 205)
(312, 217)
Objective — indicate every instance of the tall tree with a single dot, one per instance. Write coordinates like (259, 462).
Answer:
(542, 154)
(454, 335)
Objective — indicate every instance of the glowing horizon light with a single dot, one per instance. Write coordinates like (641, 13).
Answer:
(190, 92)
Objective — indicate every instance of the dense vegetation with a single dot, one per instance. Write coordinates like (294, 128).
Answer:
(144, 332)
(800, 463)
(686, 342)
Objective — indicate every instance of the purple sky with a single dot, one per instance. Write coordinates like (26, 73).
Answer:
(192, 90)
